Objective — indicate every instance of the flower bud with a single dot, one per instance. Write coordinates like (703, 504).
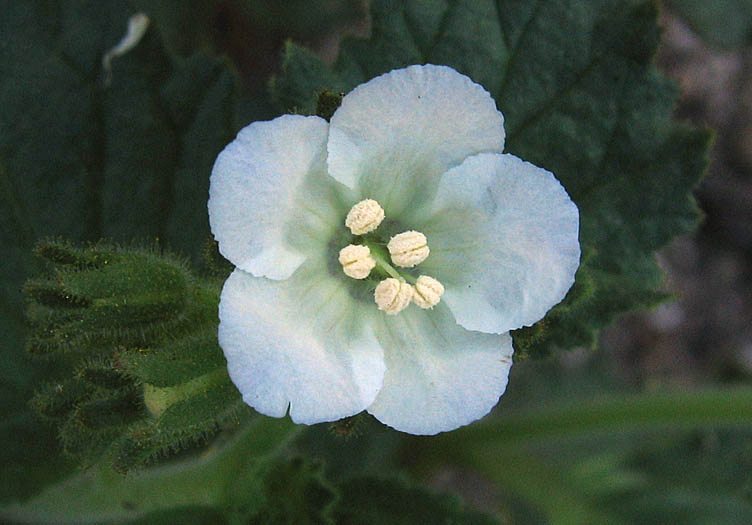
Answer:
(356, 261)
(408, 248)
(364, 217)
(393, 295)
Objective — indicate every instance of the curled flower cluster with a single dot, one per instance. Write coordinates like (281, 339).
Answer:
(322, 218)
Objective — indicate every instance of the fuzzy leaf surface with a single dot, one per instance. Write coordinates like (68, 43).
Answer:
(85, 158)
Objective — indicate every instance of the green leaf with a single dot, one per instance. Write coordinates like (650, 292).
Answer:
(83, 159)
(576, 82)
(652, 411)
(248, 30)
(723, 22)
(390, 501)
(124, 158)
(294, 491)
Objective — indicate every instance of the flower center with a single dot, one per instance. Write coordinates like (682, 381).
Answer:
(406, 250)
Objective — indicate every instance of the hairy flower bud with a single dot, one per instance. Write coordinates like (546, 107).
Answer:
(393, 295)
(408, 248)
(428, 292)
(364, 217)
(356, 261)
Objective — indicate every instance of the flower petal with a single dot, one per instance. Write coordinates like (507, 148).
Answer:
(393, 135)
(504, 242)
(266, 185)
(439, 375)
(300, 343)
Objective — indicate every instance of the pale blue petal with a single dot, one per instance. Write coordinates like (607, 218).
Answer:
(270, 199)
(503, 235)
(439, 375)
(394, 135)
(301, 343)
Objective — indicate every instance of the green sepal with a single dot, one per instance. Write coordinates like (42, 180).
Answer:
(84, 444)
(131, 287)
(137, 331)
(215, 265)
(327, 103)
(57, 400)
(182, 427)
(64, 253)
(103, 373)
(110, 408)
(174, 363)
(52, 293)
(201, 404)
(121, 297)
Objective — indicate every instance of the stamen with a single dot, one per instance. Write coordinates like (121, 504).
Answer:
(364, 217)
(428, 292)
(392, 295)
(408, 248)
(356, 261)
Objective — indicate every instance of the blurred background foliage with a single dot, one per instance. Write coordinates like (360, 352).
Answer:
(651, 425)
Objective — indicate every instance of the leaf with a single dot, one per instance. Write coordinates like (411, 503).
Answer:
(294, 491)
(581, 97)
(83, 159)
(390, 501)
(723, 22)
(250, 31)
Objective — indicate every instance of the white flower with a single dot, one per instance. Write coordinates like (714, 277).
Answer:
(424, 144)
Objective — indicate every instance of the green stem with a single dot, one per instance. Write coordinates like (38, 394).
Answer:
(159, 399)
(101, 495)
(385, 266)
(639, 412)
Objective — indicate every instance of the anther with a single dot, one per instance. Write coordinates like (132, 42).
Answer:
(356, 261)
(428, 292)
(393, 295)
(408, 248)
(364, 217)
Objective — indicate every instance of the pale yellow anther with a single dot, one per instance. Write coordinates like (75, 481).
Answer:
(408, 248)
(356, 261)
(364, 217)
(428, 292)
(393, 295)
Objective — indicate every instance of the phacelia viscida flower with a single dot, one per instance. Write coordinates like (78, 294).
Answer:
(383, 257)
